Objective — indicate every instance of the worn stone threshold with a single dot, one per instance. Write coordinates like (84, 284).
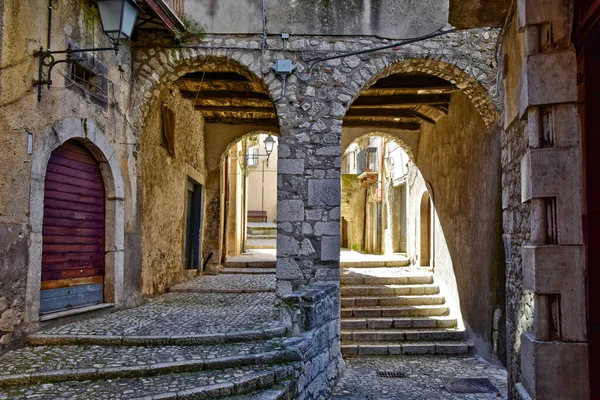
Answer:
(176, 340)
(75, 311)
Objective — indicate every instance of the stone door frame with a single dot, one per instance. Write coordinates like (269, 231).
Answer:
(96, 142)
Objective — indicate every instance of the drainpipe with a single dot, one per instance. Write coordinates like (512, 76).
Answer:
(379, 198)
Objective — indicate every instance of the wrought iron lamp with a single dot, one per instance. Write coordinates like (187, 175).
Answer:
(118, 19)
(269, 144)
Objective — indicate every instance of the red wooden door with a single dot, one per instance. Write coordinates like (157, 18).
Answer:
(73, 231)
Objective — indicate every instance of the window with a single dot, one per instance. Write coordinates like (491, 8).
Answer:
(90, 85)
(253, 156)
(193, 225)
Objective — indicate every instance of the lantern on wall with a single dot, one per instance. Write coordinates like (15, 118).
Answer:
(118, 18)
(269, 144)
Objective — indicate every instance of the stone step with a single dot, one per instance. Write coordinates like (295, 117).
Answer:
(389, 335)
(262, 231)
(398, 323)
(261, 244)
(374, 263)
(249, 270)
(262, 236)
(285, 391)
(80, 363)
(349, 302)
(249, 264)
(41, 339)
(389, 290)
(407, 311)
(216, 383)
(423, 279)
(408, 348)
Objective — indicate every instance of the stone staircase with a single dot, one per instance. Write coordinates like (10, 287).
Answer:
(396, 310)
(261, 235)
(154, 352)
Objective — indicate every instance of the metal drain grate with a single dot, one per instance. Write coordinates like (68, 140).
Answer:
(392, 374)
(470, 385)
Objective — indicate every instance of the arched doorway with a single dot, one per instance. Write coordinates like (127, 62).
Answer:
(425, 230)
(73, 259)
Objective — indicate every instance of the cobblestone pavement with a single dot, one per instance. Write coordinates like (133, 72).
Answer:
(183, 314)
(139, 387)
(226, 283)
(51, 358)
(424, 379)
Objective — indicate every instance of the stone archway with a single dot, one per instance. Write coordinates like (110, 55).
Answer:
(94, 140)
(233, 226)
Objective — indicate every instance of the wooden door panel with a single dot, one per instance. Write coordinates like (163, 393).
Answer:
(73, 231)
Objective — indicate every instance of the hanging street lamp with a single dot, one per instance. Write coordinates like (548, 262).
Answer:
(118, 18)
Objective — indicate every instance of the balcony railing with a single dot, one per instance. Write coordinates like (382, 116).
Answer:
(367, 161)
(178, 7)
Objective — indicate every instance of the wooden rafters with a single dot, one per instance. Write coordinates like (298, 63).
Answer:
(401, 102)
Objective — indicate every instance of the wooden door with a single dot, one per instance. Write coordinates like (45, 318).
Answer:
(73, 231)
(587, 41)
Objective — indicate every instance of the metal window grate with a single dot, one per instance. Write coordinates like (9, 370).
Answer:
(392, 374)
(470, 385)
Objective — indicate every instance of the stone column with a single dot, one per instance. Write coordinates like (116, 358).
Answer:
(554, 355)
(308, 195)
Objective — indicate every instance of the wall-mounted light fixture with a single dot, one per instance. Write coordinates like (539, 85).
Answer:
(118, 19)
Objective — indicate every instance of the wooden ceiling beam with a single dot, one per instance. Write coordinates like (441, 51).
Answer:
(405, 126)
(209, 109)
(387, 91)
(242, 121)
(402, 99)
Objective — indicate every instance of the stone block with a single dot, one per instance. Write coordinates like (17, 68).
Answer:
(451, 348)
(559, 270)
(327, 228)
(552, 172)
(418, 348)
(324, 192)
(560, 68)
(372, 349)
(554, 370)
(330, 247)
(290, 210)
(290, 166)
(380, 323)
(288, 269)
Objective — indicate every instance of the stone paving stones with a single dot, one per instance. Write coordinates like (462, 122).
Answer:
(424, 379)
(183, 314)
(214, 384)
(226, 283)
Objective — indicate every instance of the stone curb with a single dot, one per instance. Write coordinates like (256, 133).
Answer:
(174, 340)
(242, 385)
(274, 357)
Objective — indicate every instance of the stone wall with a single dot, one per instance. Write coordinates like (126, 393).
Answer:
(321, 17)
(163, 178)
(21, 112)
(542, 205)
(459, 158)
(313, 312)
(441, 258)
